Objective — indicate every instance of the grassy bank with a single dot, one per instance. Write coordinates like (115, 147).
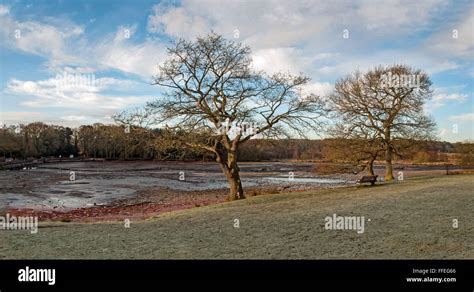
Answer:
(408, 219)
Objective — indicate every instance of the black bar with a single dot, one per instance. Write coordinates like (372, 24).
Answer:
(381, 274)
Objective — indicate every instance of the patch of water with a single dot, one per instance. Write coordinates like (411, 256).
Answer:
(305, 180)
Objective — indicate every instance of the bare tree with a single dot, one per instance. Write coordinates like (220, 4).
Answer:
(359, 146)
(137, 117)
(212, 91)
(386, 102)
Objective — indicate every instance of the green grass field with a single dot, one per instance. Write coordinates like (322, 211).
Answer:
(408, 219)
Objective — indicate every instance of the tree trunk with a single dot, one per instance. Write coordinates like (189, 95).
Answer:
(370, 167)
(388, 163)
(236, 191)
(231, 171)
(388, 155)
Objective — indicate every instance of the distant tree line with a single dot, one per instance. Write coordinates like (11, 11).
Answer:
(92, 141)
(37, 140)
(349, 151)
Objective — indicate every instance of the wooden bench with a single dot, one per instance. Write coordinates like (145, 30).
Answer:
(367, 179)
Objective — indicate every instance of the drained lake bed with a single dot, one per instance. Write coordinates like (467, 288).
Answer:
(70, 185)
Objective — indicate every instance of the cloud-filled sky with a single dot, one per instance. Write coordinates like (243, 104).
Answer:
(79, 62)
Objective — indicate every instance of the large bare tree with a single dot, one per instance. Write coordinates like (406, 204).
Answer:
(385, 103)
(211, 91)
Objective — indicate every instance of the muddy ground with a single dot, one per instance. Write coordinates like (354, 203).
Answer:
(108, 190)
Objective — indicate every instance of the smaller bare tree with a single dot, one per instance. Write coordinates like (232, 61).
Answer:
(361, 147)
(386, 101)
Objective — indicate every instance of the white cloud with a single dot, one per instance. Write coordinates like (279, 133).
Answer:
(290, 35)
(276, 23)
(4, 10)
(445, 41)
(71, 69)
(176, 21)
(319, 88)
(24, 117)
(65, 47)
(67, 51)
(396, 16)
(139, 59)
(76, 94)
(39, 38)
(74, 118)
(117, 51)
(262, 24)
(438, 67)
(18, 117)
(441, 98)
(288, 60)
(280, 60)
(469, 117)
(67, 83)
(340, 65)
(267, 26)
(454, 96)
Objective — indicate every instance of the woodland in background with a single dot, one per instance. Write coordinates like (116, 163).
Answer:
(36, 140)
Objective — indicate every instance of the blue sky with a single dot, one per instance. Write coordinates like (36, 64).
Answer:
(114, 46)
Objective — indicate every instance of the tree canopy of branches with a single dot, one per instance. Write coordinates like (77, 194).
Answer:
(362, 153)
(210, 89)
(379, 106)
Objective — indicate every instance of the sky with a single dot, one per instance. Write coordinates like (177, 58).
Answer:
(80, 62)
